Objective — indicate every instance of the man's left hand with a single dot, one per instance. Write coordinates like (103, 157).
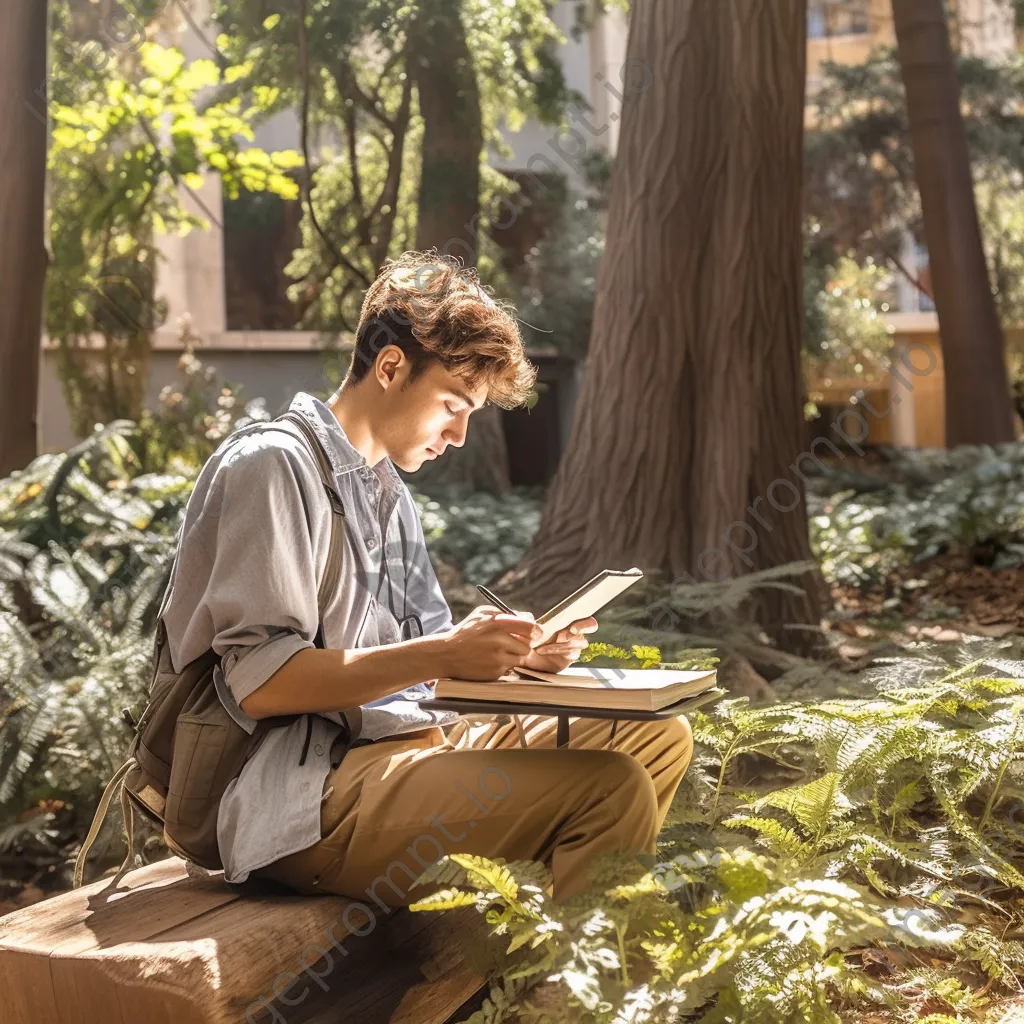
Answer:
(562, 649)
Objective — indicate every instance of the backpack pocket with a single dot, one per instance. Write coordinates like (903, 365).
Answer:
(198, 748)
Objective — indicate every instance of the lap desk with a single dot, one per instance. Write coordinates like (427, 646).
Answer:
(564, 712)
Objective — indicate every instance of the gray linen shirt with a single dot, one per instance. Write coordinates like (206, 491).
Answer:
(252, 549)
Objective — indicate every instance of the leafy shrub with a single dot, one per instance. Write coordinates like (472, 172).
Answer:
(86, 542)
(921, 504)
(556, 288)
(844, 306)
(194, 416)
(482, 534)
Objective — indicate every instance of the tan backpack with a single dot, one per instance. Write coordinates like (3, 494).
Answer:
(187, 747)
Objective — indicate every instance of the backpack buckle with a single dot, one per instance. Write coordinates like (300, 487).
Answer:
(336, 503)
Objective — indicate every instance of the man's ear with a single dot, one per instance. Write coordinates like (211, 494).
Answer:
(388, 365)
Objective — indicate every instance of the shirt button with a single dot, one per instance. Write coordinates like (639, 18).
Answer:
(318, 749)
(370, 543)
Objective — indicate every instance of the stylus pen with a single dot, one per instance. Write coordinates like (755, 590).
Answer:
(494, 599)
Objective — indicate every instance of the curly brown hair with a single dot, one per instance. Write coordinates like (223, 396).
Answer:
(434, 308)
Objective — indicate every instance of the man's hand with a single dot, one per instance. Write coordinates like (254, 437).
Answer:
(562, 649)
(486, 644)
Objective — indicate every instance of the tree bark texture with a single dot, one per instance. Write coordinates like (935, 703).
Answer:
(23, 142)
(978, 404)
(452, 132)
(690, 416)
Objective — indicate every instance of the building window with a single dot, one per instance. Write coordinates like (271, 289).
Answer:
(827, 18)
(261, 230)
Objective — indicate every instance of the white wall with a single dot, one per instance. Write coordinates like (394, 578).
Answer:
(592, 66)
(987, 29)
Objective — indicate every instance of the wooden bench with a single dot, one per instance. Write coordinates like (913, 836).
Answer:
(167, 948)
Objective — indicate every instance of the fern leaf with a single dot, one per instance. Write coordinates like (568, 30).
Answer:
(773, 833)
(814, 804)
(446, 899)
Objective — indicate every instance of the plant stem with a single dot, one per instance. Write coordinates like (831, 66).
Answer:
(721, 777)
(990, 803)
(620, 933)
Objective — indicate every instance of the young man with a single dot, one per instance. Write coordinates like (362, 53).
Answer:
(432, 348)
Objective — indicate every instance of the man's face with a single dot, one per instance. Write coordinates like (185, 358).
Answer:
(421, 418)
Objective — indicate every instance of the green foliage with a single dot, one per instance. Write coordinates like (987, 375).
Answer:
(919, 505)
(718, 936)
(556, 288)
(846, 312)
(364, 115)
(862, 139)
(127, 139)
(603, 655)
(482, 534)
(897, 812)
(193, 416)
(86, 541)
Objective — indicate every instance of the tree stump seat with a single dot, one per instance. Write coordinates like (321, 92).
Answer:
(169, 948)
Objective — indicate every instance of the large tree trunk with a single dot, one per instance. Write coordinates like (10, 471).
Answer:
(449, 207)
(23, 139)
(978, 405)
(690, 414)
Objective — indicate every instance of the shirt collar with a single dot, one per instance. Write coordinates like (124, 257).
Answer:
(342, 453)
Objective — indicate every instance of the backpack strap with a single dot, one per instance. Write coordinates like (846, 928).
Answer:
(332, 574)
(97, 821)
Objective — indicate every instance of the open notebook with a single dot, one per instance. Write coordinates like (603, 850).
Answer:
(582, 686)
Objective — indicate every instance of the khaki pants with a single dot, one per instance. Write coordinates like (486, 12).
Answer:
(396, 806)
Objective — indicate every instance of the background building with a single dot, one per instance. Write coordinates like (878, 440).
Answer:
(230, 282)
(846, 31)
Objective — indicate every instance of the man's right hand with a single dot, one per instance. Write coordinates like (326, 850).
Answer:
(486, 644)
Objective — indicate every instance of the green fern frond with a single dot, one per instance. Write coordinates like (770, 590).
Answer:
(962, 824)
(1013, 669)
(493, 874)
(30, 739)
(815, 804)
(1000, 960)
(446, 899)
(772, 833)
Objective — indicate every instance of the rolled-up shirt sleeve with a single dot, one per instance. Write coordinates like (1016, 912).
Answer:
(248, 668)
(259, 594)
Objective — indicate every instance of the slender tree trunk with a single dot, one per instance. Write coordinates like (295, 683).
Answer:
(23, 139)
(453, 140)
(690, 415)
(978, 403)
(449, 207)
